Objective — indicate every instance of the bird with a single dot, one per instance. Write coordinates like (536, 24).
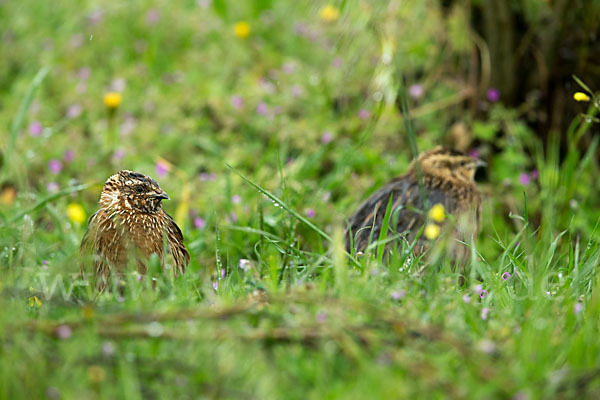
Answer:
(448, 179)
(129, 227)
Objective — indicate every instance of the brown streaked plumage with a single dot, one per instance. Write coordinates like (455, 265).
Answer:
(448, 178)
(131, 223)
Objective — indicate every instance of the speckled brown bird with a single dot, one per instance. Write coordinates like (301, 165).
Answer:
(130, 226)
(448, 179)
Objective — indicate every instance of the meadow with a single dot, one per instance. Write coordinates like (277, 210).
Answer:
(268, 123)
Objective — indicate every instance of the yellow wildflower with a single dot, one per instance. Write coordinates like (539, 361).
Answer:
(76, 213)
(96, 374)
(8, 195)
(437, 213)
(112, 100)
(242, 29)
(87, 312)
(580, 96)
(432, 231)
(35, 302)
(329, 13)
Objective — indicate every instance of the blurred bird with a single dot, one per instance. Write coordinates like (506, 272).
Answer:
(448, 179)
(130, 226)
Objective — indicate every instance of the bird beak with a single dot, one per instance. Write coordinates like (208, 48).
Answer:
(161, 195)
(480, 163)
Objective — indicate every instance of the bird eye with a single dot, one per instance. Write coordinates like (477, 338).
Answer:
(138, 189)
(463, 163)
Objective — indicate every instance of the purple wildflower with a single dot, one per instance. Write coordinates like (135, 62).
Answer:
(233, 217)
(266, 85)
(95, 17)
(296, 91)
(152, 16)
(215, 285)
(327, 137)
(337, 62)
(466, 298)
(36, 128)
(493, 95)
(205, 176)
(483, 294)
(69, 156)
(364, 114)
(64, 332)
(236, 199)
(120, 299)
(237, 102)
(578, 308)
(474, 153)
(300, 29)
(199, 223)
(74, 111)
(262, 108)
(505, 276)
(484, 313)
(118, 154)
(322, 317)
(84, 73)
(534, 174)
(161, 169)
(289, 67)
(128, 126)
(310, 213)
(244, 265)
(416, 91)
(478, 288)
(398, 295)
(118, 84)
(55, 166)
(223, 273)
(524, 179)
(52, 187)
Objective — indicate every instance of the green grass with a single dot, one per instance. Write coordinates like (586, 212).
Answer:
(301, 319)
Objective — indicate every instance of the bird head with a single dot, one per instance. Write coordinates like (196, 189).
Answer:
(132, 191)
(449, 163)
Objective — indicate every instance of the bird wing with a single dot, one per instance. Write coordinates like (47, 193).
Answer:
(89, 251)
(175, 243)
(407, 215)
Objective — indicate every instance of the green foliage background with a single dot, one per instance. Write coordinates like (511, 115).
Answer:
(306, 110)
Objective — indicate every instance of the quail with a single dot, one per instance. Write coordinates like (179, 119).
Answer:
(129, 227)
(447, 179)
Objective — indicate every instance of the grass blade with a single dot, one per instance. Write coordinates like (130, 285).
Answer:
(40, 204)
(384, 229)
(17, 123)
(281, 204)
